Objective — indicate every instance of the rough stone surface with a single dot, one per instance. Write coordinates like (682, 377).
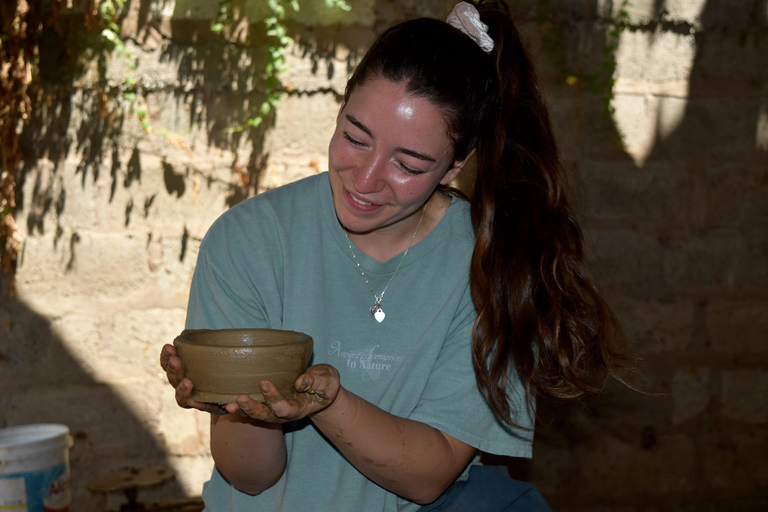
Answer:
(657, 326)
(744, 395)
(738, 327)
(690, 394)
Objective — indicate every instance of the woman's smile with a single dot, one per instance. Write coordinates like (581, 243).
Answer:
(359, 203)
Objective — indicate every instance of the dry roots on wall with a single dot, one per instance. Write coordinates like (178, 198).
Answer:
(17, 54)
(21, 24)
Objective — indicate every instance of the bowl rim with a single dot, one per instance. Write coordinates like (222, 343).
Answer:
(185, 337)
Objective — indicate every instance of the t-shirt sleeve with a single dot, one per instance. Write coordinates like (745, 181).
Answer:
(452, 403)
(236, 279)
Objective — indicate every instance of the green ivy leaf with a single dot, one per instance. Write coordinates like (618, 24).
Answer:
(106, 9)
(278, 31)
(339, 4)
(109, 35)
(271, 82)
(274, 98)
(276, 8)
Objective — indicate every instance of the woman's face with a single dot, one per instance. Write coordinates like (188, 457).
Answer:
(389, 152)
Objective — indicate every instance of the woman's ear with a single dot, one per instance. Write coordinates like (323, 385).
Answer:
(458, 165)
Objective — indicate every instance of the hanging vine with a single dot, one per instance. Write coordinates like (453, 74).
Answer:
(600, 82)
(279, 43)
(23, 22)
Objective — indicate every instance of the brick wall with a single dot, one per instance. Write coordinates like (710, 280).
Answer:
(675, 219)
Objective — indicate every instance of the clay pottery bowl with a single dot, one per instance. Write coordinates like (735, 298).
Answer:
(225, 363)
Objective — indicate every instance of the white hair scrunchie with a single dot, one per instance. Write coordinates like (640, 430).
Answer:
(465, 17)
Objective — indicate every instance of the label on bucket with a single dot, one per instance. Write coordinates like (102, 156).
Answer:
(47, 490)
(13, 494)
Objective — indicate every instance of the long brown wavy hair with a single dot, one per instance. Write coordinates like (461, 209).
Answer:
(540, 318)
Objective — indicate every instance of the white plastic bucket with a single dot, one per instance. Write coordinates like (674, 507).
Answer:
(34, 468)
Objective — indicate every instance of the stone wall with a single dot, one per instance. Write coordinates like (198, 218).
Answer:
(673, 195)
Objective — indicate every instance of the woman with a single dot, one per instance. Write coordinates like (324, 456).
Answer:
(436, 321)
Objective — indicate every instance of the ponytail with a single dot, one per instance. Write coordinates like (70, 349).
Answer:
(540, 316)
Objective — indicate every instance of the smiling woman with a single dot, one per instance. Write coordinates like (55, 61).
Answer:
(389, 153)
(488, 301)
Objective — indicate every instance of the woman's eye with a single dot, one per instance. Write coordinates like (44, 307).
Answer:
(410, 170)
(352, 141)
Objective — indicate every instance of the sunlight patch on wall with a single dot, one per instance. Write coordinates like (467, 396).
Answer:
(643, 11)
(670, 115)
(636, 118)
(653, 69)
(646, 112)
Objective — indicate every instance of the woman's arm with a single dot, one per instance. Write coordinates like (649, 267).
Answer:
(409, 458)
(406, 457)
(249, 453)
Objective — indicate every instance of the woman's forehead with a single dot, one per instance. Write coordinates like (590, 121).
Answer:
(383, 108)
(378, 92)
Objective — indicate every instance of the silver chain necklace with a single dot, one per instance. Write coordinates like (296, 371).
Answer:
(375, 310)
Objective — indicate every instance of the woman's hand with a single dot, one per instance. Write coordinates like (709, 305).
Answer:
(317, 389)
(174, 372)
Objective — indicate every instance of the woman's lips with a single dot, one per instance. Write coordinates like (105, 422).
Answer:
(359, 204)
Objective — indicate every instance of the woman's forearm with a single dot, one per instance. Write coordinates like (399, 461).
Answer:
(406, 457)
(249, 453)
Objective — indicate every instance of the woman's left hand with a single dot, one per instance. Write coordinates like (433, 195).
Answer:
(317, 388)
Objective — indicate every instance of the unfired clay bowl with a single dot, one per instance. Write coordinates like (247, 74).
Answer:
(225, 363)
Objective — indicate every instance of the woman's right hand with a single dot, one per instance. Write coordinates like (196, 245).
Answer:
(174, 372)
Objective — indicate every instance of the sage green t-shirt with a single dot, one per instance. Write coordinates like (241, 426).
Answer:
(281, 260)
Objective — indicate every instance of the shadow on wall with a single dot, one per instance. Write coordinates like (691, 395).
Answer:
(42, 383)
(217, 86)
(680, 245)
(40, 378)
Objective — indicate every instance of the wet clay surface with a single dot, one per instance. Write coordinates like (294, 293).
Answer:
(225, 363)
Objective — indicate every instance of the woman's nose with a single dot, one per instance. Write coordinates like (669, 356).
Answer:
(368, 177)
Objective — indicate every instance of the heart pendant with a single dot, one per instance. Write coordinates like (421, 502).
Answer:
(377, 312)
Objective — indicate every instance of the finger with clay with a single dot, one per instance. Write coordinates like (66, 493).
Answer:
(174, 372)
(316, 390)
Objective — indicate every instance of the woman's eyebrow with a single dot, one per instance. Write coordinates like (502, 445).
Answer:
(415, 154)
(352, 119)
(421, 156)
